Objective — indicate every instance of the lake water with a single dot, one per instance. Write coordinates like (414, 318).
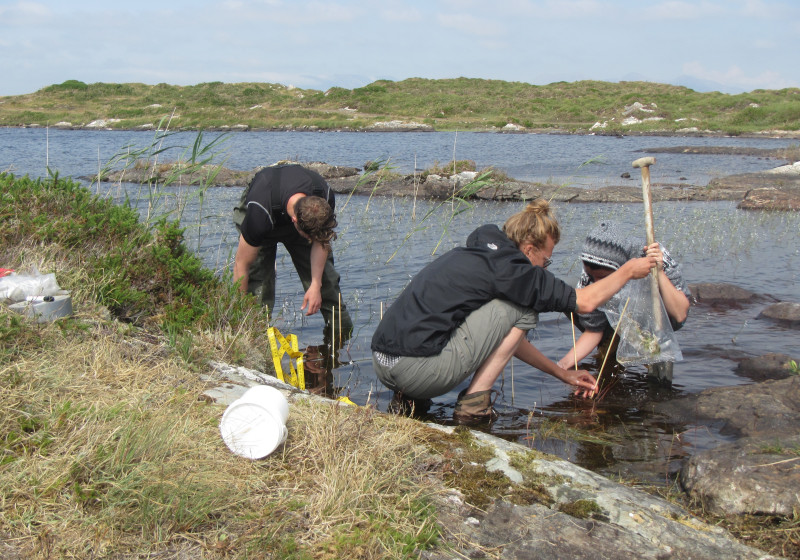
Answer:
(384, 242)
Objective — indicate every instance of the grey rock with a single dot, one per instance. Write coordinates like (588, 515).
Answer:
(770, 408)
(785, 313)
(711, 293)
(752, 476)
(625, 523)
(628, 524)
(768, 366)
(331, 171)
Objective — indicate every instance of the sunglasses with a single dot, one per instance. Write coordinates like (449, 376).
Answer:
(547, 262)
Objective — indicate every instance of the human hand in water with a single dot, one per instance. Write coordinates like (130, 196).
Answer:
(584, 381)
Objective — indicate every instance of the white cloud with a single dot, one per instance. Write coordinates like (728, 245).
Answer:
(758, 8)
(328, 12)
(22, 13)
(735, 76)
(400, 14)
(570, 9)
(677, 9)
(470, 24)
(764, 44)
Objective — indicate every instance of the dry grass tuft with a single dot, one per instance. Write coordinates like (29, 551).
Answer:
(106, 447)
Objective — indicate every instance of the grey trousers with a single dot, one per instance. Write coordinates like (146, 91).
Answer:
(262, 274)
(468, 348)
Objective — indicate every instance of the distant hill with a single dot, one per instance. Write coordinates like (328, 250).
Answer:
(412, 104)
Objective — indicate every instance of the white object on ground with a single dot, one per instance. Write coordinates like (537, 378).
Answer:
(254, 425)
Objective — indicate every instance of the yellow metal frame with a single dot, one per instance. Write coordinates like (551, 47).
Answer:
(281, 345)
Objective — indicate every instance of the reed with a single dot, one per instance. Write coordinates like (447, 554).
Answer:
(459, 203)
(610, 345)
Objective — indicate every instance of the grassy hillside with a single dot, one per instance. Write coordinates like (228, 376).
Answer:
(462, 104)
(106, 450)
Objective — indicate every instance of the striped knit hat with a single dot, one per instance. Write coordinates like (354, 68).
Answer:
(607, 247)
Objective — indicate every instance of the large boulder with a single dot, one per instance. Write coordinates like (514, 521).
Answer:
(771, 408)
(720, 293)
(757, 474)
(762, 368)
(752, 476)
(785, 313)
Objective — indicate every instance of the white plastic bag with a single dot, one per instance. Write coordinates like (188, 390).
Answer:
(645, 333)
(20, 287)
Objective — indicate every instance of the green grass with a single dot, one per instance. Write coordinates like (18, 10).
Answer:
(141, 273)
(105, 447)
(447, 104)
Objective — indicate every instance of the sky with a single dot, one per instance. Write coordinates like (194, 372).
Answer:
(730, 46)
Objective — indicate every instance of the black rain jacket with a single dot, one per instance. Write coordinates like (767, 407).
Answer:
(439, 298)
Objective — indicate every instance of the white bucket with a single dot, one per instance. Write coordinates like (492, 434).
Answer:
(254, 425)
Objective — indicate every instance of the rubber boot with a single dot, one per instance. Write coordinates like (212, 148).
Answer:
(407, 406)
(660, 372)
(475, 406)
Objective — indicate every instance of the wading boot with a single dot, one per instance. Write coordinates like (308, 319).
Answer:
(407, 406)
(474, 407)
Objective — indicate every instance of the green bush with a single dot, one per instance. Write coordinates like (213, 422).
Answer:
(69, 85)
(140, 272)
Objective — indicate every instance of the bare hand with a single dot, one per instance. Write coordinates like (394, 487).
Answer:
(640, 267)
(584, 381)
(312, 300)
(654, 251)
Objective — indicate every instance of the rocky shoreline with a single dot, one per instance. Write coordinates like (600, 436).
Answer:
(575, 513)
(776, 189)
(413, 126)
(755, 474)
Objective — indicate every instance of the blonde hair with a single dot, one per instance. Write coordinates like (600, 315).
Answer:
(533, 225)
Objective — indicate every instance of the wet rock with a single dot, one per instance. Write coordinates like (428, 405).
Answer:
(713, 293)
(771, 198)
(751, 476)
(331, 171)
(768, 366)
(785, 313)
(770, 408)
(778, 189)
(758, 473)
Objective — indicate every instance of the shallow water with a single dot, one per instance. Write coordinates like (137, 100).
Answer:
(714, 241)
(580, 160)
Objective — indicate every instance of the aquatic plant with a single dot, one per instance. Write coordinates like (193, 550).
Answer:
(459, 203)
(195, 166)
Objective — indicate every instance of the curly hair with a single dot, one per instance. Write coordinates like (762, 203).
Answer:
(533, 225)
(316, 219)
